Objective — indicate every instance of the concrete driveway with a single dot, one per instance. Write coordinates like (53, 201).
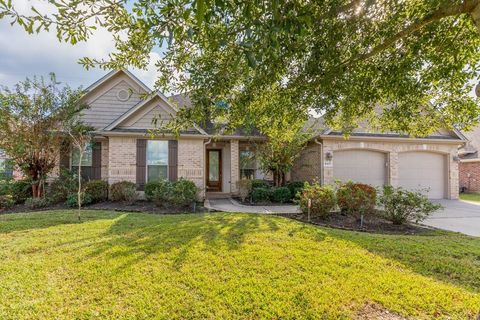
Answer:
(460, 216)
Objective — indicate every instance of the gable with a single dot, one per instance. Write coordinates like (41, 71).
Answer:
(111, 98)
(142, 118)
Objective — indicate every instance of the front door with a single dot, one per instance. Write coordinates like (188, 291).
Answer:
(214, 170)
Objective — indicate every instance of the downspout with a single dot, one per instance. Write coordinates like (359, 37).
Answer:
(205, 164)
(321, 159)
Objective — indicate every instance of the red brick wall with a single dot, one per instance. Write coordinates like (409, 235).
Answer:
(469, 173)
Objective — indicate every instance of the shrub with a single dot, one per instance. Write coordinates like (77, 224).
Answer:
(36, 203)
(281, 194)
(244, 188)
(356, 198)
(261, 194)
(295, 187)
(6, 202)
(322, 198)
(257, 183)
(20, 190)
(97, 190)
(180, 193)
(72, 199)
(401, 205)
(123, 191)
(59, 188)
(185, 192)
(151, 187)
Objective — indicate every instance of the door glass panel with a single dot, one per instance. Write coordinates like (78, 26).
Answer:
(213, 165)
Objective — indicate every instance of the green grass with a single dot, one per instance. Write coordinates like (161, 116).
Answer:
(470, 197)
(226, 266)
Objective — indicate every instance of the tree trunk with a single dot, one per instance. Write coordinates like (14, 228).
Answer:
(79, 193)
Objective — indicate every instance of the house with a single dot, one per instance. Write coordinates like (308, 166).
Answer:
(122, 149)
(469, 166)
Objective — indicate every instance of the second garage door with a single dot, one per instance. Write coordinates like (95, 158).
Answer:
(362, 166)
(423, 170)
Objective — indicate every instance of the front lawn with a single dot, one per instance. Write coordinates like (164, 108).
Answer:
(475, 197)
(224, 266)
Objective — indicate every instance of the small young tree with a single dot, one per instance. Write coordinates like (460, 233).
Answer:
(80, 136)
(30, 116)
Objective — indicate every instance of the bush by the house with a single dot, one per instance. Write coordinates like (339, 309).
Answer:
(59, 189)
(6, 202)
(257, 183)
(244, 188)
(401, 205)
(281, 195)
(151, 187)
(322, 200)
(19, 190)
(72, 199)
(36, 203)
(295, 187)
(261, 194)
(356, 198)
(179, 193)
(123, 191)
(97, 190)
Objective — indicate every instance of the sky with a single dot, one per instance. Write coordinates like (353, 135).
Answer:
(23, 55)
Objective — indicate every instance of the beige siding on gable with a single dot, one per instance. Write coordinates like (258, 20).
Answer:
(105, 106)
(142, 119)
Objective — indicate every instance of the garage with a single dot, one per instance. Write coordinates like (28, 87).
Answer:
(423, 170)
(364, 166)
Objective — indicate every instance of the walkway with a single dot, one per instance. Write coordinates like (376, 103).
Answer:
(230, 205)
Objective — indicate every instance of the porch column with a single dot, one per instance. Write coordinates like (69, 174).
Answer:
(234, 166)
(393, 169)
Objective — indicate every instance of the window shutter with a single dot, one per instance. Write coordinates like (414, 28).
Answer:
(141, 163)
(172, 160)
(97, 161)
(65, 155)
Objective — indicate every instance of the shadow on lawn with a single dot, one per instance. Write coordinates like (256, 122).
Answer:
(135, 237)
(46, 219)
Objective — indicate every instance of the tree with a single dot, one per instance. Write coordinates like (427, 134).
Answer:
(30, 116)
(413, 61)
(81, 136)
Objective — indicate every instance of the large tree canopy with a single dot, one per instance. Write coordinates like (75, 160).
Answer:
(412, 61)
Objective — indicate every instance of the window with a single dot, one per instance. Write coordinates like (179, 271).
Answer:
(86, 158)
(6, 169)
(157, 160)
(247, 164)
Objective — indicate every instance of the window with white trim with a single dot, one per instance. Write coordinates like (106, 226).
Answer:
(247, 164)
(157, 160)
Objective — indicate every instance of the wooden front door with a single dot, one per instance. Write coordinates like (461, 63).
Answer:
(214, 170)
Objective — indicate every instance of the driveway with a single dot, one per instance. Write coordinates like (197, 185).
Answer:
(460, 216)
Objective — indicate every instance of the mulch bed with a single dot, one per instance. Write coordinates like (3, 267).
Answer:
(371, 224)
(138, 206)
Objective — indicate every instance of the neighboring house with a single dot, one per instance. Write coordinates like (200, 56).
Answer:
(469, 166)
(124, 151)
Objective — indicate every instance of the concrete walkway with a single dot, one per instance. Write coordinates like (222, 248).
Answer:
(230, 205)
(459, 216)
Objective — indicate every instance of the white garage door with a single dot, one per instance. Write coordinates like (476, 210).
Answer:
(421, 170)
(362, 166)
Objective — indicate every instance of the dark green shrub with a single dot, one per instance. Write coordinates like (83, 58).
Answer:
(185, 192)
(356, 198)
(123, 191)
(36, 203)
(6, 202)
(261, 194)
(20, 190)
(62, 186)
(260, 184)
(402, 205)
(295, 187)
(72, 200)
(97, 190)
(179, 193)
(151, 187)
(322, 199)
(281, 195)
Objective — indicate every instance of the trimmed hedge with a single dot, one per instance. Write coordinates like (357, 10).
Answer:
(261, 194)
(124, 191)
(97, 190)
(322, 198)
(356, 198)
(281, 195)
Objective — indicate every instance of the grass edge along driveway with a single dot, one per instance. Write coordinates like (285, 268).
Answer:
(235, 266)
